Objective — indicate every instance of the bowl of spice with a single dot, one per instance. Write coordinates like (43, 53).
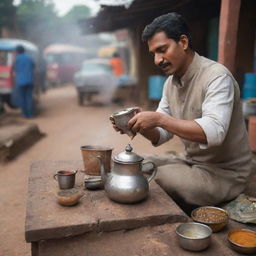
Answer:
(193, 236)
(69, 197)
(242, 241)
(216, 218)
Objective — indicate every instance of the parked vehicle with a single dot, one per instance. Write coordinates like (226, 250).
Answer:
(95, 77)
(7, 58)
(62, 62)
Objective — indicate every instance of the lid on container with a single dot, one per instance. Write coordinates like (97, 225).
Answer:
(128, 156)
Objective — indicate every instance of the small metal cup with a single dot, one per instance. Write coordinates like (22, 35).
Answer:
(121, 119)
(66, 179)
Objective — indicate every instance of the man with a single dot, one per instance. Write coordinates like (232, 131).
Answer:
(24, 77)
(117, 64)
(201, 105)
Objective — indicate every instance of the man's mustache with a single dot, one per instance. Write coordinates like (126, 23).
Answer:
(164, 64)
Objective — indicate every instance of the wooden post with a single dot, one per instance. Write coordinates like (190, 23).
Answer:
(228, 27)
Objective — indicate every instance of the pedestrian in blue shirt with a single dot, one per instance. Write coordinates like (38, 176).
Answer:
(24, 77)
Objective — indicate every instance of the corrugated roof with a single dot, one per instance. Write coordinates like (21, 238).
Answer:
(142, 12)
(125, 3)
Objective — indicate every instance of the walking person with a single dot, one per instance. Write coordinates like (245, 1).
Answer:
(117, 64)
(201, 105)
(24, 78)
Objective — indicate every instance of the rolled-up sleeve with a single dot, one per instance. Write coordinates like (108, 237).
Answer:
(217, 110)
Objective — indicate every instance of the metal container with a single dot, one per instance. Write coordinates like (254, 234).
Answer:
(194, 236)
(126, 182)
(93, 183)
(238, 247)
(214, 225)
(91, 163)
(66, 179)
(121, 119)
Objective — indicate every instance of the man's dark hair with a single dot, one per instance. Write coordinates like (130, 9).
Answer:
(173, 24)
(20, 49)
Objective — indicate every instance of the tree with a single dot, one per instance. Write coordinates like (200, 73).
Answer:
(7, 14)
(76, 13)
(33, 13)
(37, 21)
(40, 24)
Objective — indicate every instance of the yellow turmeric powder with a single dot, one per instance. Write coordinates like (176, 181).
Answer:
(243, 237)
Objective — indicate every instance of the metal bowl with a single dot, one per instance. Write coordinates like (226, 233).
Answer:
(93, 183)
(235, 245)
(194, 236)
(215, 225)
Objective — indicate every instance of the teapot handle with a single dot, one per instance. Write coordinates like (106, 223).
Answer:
(154, 170)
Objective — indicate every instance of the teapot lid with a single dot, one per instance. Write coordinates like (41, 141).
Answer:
(128, 156)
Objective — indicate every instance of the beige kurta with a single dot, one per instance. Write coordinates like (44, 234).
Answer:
(215, 174)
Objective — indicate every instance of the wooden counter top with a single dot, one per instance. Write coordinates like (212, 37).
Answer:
(46, 219)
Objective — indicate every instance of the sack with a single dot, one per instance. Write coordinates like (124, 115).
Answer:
(242, 209)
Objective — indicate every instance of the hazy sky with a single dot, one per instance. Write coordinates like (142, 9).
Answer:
(63, 6)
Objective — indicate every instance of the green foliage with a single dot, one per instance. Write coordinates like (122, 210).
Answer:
(7, 13)
(38, 22)
(76, 13)
(36, 13)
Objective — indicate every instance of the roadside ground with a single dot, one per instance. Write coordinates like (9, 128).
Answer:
(67, 127)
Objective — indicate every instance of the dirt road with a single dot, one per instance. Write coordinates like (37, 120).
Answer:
(67, 127)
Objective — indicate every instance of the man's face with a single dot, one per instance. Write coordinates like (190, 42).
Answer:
(169, 55)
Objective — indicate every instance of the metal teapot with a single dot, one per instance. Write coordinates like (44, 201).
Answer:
(126, 182)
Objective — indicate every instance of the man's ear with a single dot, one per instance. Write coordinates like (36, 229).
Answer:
(184, 42)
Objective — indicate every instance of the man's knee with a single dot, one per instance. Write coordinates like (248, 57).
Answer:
(180, 182)
(169, 177)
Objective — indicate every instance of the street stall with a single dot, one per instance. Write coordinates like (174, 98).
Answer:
(98, 225)
(84, 207)
(98, 206)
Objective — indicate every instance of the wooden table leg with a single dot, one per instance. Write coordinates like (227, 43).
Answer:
(34, 249)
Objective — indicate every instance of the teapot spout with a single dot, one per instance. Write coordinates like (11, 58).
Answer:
(102, 170)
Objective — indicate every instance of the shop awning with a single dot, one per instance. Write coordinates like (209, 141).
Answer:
(115, 15)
